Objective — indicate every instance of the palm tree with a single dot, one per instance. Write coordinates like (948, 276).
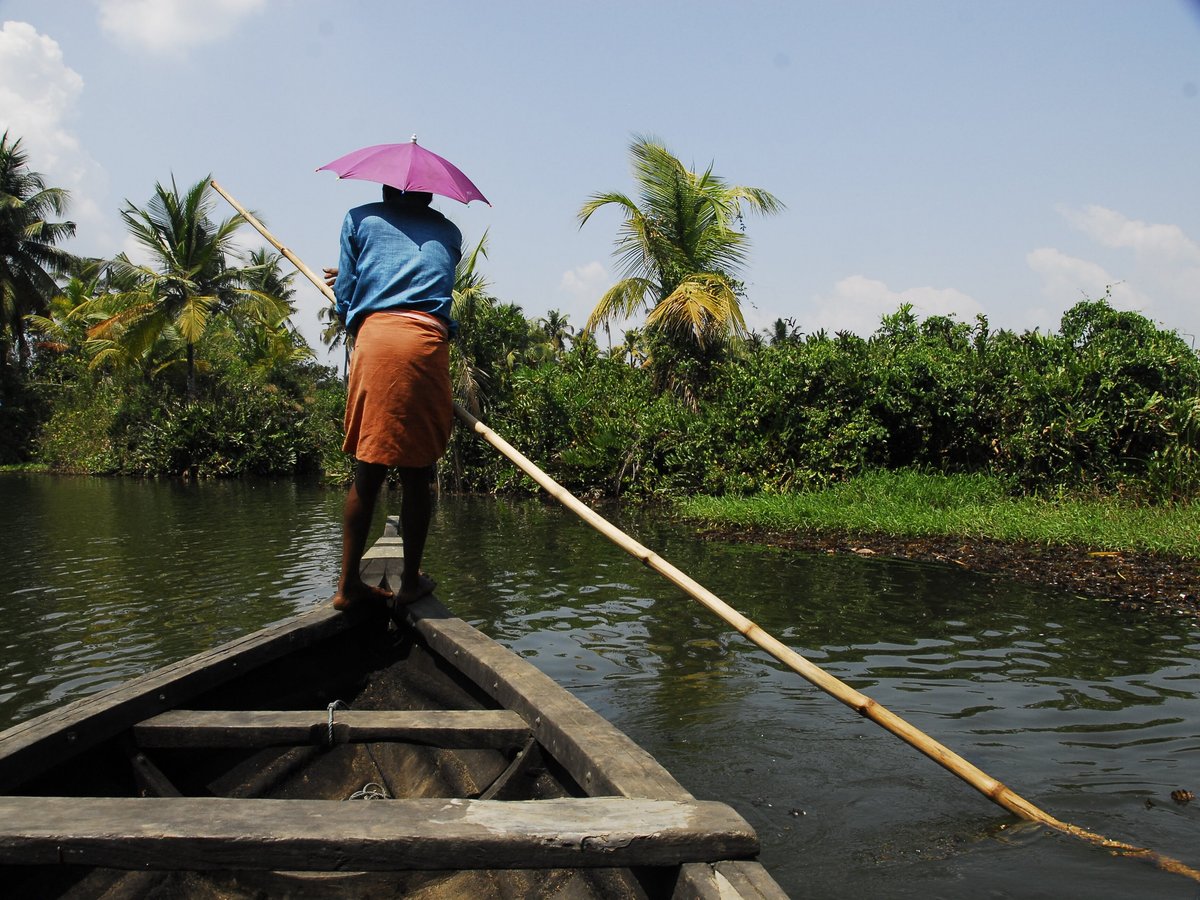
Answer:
(333, 334)
(784, 331)
(632, 348)
(679, 247)
(264, 271)
(271, 346)
(556, 331)
(71, 311)
(190, 280)
(471, 302)
(29, 257)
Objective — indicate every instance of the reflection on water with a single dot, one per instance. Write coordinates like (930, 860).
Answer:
(1081, 708)
(107, 578)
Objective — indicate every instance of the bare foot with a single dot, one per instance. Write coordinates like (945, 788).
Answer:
(358, 594)
(412, 593)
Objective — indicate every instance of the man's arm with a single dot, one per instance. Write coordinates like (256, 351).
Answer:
(344, 277)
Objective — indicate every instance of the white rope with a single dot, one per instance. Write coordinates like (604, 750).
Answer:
(336, 704)
(370, 791)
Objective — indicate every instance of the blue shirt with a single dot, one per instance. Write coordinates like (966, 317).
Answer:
(395, 256)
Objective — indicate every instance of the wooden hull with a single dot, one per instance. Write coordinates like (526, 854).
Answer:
(227, 775)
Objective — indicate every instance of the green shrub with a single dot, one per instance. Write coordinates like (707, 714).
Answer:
(1111, 403)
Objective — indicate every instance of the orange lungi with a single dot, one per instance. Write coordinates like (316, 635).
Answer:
(399, 408)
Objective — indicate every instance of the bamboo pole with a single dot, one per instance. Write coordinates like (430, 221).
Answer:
(991, 788)
(261, 229)
(994, 790)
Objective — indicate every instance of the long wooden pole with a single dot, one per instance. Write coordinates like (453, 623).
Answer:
(262, 229)
(830, 684)
(991, 788)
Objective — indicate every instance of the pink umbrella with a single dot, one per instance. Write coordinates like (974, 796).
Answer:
(407, 167)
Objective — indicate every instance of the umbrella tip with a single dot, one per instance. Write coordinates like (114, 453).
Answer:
(414, 139)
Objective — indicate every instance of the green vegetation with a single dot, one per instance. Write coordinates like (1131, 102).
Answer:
(185, 365)
(29, 263)
(1109, 405)
(912, 504)
(188, 364)
(680, 250)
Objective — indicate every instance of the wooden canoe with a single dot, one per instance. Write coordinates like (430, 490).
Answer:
(355, 755)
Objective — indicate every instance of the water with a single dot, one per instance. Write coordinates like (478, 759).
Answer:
(1085, 710)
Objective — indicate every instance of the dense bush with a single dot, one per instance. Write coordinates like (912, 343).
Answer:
(240, 426)
(1109, 403)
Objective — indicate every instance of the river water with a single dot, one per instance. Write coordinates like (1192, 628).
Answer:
(1091, 713)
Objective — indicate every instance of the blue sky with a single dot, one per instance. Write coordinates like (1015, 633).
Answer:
(1004, 158)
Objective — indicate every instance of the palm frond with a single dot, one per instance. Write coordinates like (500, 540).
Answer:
(704, 306)
(193, 316)
(621, 301)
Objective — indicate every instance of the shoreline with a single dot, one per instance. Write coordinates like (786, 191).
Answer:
(1138, 581)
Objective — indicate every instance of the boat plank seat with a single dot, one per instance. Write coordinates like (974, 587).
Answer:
(368, 835)
(35, 745)
(383, 562)
(488, 729)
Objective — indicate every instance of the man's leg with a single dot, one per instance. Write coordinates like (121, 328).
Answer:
(416, 509)
(357, 513)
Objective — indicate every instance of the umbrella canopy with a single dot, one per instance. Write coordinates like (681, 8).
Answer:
(407, 167)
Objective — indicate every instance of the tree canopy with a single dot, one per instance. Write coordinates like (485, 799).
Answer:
(193, 275)
(680, 247)
(30, 257)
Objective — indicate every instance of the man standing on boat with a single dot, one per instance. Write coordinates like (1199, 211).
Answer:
(394, 286)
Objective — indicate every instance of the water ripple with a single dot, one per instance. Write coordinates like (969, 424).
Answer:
(1077, 706)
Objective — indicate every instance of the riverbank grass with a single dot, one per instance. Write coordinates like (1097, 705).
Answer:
(912, 504)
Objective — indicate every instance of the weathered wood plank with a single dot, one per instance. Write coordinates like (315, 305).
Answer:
(385, 548)
(527, 757)
(150, 779)
(383, 561)
(602, 759)
(726, 880)
(374, 571)
(218, 833)
(458, 729)
(32, 747)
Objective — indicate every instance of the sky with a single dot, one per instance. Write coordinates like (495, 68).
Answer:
(976, 157)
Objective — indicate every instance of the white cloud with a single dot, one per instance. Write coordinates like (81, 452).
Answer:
(1152, 268)
(169, 26)
(36, 86)
(1150, 242)
(38, 93)
(858, 303)
(1066, 280)
(580, 288)
(586, 282)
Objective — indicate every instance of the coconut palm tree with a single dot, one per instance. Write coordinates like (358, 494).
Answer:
(471, 302)
(333, 334)
(71, 311)
(680, 247)
(632, 348)
(272, 346)
(264, 272)
(556, 331)
(189, 281)
(29, 255)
